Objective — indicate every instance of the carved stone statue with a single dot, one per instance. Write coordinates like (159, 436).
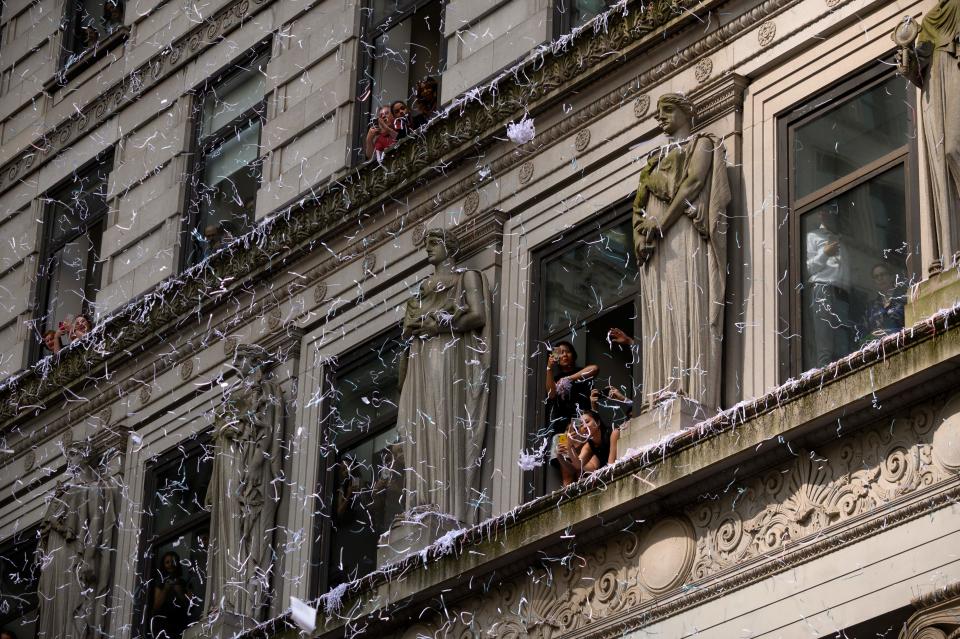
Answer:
(444, 388)
(929, 58)
(679, 223)
(243, 494)
(76, 550)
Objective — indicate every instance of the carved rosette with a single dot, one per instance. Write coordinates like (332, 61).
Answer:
(145, 392)
(766, 33)
(369, 265)
(703, 70)
(419, 231)
(470, 204)
(230, 346)
(582, 141)
(320, 293)
(526, 172)
(641, 105)
(274, 317)
(186, 370)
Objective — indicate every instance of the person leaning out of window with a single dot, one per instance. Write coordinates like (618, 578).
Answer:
(381, 136)
(583, 448)
(568, 386)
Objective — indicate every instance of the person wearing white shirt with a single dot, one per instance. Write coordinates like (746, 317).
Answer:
(828, 279)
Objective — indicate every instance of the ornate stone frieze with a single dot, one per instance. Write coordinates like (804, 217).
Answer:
(853, 488)
(937, 617)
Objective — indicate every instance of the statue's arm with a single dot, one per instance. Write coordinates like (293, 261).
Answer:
(474, 316)
(698, 172)
(913, 61)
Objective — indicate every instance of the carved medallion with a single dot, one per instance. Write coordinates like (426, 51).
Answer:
(369, 264)
(104, 416)
(703, 69)
(320, 293)
(833, 3)
(526, 172)
(186, 370)
(273, 318)
(667, 554)
(145, 394)
(230, 345)
(66, 439)
(29, 459)
(470, 204)
(582, 141)
(641, 105)
(946, 438)
(419, 231)
(766, 33)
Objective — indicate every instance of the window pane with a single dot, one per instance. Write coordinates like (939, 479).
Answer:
(582, 11)
(367, 395)
(367, 488)
(407, 52)
(855, 260)
(177, 582)
(229, 100)
(181, 491)
(851, 136)
(67, 272)
(19, 578)
(228, 188)
(590, 277)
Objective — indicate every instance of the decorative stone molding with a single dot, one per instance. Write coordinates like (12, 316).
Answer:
(946, 439)
(582, 141)
(718, 98)
(274, 318)
(703, 69)
(419, 232)
(938, 616)
(186, 370)
(144, 396)
(526, 172)
(641, 105)
(480, 232)
(230, 346)
(766, 33)
(857, 486)
(369, 265)
(29, 459)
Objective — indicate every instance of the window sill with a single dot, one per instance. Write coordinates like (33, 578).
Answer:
(82, 62)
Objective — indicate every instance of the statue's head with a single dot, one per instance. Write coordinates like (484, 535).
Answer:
(248, 358)
(675, 111)
(440, 245)
(79, 454)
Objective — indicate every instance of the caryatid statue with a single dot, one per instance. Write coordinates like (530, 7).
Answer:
(244, 490)
(442, 413)
(76, 550)
(679, 223)
(929, 57)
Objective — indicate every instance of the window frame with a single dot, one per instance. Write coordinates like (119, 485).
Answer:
(73, 61)
(351, 360)
(201, 145)
(49, 246)
(370, 31)
(790, 251)
(562, 24)
(200, 444)
(535, 481)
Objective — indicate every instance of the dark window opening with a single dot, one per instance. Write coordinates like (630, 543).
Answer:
(19, 582)
(586, 283)
(177, 525)
(570, 14)
(88, 23)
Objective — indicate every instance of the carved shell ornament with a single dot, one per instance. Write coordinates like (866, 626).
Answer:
(526, 172)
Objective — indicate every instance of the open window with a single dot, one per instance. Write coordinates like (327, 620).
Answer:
(402, 44)
(850, 247)
(363, 478)
(585, 284)
(570, 14)
(176, 537)
(89, 25)
(69, 273)
(226, 175)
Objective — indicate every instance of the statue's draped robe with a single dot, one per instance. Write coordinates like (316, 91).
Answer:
(937, 47)
(682, 284)
(80, 516)
(243, 499)
(442, 413)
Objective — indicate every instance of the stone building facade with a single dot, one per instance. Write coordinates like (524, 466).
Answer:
(190, 176)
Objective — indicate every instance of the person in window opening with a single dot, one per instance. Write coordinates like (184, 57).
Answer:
(568, 386)
(81, 326)
(425, 103)
(51, 339)
(170, 600)
(401, 118)
(827, 275)
(7, 634)
(583, 448)
(381, 136)
(884, 314)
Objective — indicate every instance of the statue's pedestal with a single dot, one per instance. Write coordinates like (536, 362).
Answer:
(222, 625)
(411, 532)
(655, 423)
(933, 294)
